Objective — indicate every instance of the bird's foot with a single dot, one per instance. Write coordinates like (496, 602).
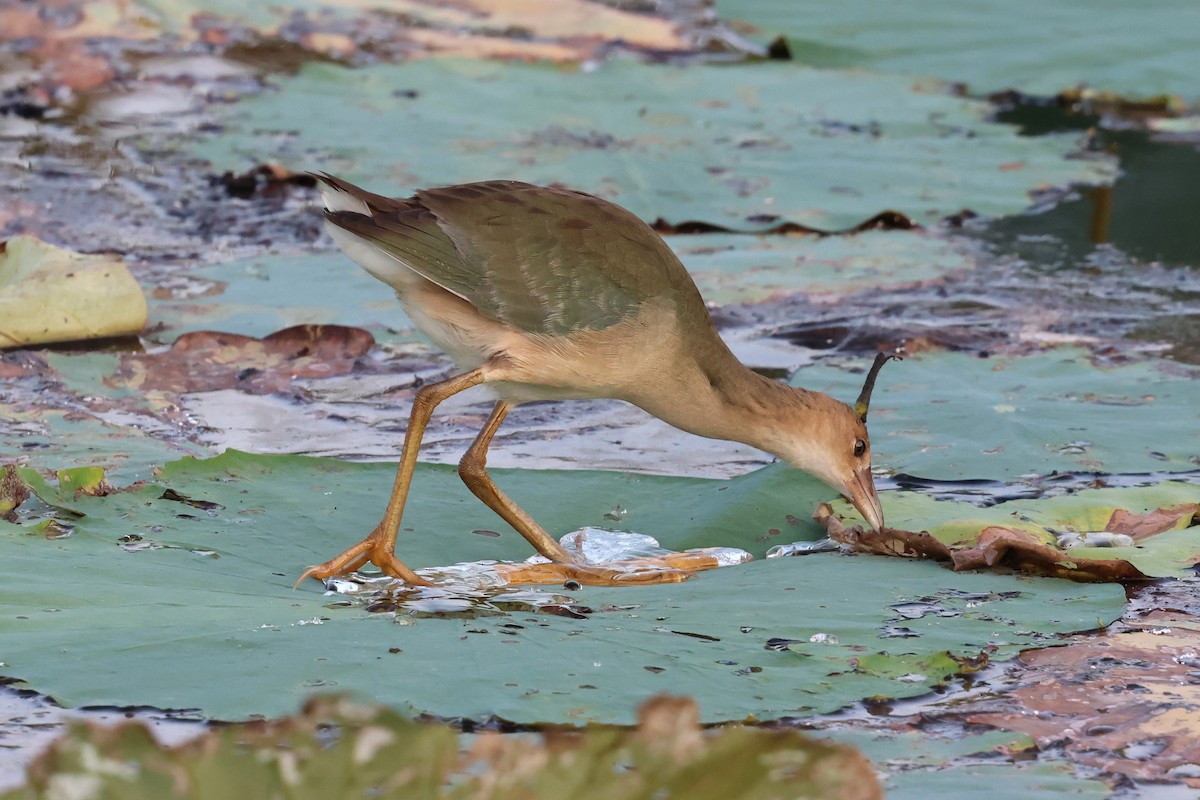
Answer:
(371, 550)
(667, 568)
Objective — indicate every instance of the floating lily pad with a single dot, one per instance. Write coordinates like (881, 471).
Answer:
(1034, 47)
(71, 483)
(744, 269)
(258, 296)
(48, 294)
(1099, 534)
(713, 143)
(198, 596)
(128, 445)
(951, 416)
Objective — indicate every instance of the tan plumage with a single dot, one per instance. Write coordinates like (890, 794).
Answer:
(546, 293)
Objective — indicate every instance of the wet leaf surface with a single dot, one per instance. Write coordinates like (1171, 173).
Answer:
(955, 415)
(260, 295)
(707, 142)
(1112, 47)
(227, 571)
(744, 269)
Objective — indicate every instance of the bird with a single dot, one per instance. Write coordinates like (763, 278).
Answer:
(546, 293)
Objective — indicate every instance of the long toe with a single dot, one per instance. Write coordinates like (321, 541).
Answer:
(395, 568)
(348, 561)
(669, 568)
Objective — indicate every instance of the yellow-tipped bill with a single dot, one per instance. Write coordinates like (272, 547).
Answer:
(860, 491)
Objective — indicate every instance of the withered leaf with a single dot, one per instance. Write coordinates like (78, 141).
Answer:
(996, 546)
(1112, 700)
(207, 360)
(206, 505)
(883, 221)
(13, 492)
(1141, 526)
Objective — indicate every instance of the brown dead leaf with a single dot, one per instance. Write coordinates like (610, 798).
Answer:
(80, 19)
(22, 363)
(1126, 703)
(70, 63)
(206, 361)
(265, 180)
(1023, 551)
(1011, 548)
(13, 492)
(63, 39)
(452, 44)
(883, 221)
(888, 542)
(546, 19)
(671, 724)
(334, 45)
(1142, 526)
(527, 30)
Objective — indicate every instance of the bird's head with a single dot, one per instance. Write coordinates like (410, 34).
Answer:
(837, 449)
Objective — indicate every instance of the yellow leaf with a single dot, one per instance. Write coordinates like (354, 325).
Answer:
(48, 294)
(85, 480)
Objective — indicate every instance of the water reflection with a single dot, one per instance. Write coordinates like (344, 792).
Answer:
(1149, 214)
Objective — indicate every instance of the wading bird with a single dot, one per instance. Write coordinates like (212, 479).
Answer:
(547, 294)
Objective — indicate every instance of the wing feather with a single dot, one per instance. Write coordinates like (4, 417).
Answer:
(541, 260)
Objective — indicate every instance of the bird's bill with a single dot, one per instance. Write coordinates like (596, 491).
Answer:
(860, 490)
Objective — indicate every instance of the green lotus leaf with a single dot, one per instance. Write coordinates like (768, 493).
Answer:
(718, 143)
(178, 594)
(1111, 46)
(745, 269)
(72, 482)
(260, 295)
(956, 416)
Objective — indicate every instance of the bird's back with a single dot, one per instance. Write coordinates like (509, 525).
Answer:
(539, 260)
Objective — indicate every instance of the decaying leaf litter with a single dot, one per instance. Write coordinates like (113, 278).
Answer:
(892, 294)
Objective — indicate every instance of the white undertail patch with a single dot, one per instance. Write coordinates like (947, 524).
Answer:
(337, 200)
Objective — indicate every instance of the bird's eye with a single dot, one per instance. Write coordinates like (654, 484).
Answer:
(860, 447)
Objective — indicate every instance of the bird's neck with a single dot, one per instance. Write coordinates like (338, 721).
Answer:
(722, 398)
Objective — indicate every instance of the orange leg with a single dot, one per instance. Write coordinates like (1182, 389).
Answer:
(473, 471)
(379, 547)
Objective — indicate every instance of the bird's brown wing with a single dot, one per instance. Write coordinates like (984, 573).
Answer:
(541, 260)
